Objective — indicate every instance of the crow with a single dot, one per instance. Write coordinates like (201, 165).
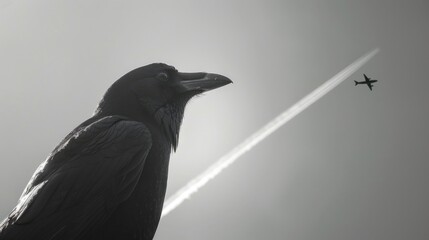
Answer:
(107, 178)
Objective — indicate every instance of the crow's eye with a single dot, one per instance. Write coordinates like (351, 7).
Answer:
(162, 76)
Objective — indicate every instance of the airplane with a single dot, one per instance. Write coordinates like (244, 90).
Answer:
(368, 81)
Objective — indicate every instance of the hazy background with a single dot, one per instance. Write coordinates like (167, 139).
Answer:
(353, 166)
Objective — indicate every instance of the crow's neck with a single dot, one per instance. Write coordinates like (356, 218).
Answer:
(169, 118)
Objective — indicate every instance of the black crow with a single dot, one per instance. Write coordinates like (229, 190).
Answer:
(107, 179)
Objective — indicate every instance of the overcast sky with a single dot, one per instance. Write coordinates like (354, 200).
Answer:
(352, 166)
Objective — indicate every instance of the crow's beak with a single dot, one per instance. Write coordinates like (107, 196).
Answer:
(203, 81)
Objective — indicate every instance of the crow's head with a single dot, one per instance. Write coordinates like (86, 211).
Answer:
(157, 93)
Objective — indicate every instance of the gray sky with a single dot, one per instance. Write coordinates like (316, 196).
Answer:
(352, 166)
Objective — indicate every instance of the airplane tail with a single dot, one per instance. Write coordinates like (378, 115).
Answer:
(356, 83)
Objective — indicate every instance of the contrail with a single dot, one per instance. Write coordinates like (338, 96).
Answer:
(199, 181)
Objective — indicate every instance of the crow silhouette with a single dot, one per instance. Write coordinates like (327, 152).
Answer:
(107, 179)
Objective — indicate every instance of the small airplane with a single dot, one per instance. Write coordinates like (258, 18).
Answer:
(368, 81)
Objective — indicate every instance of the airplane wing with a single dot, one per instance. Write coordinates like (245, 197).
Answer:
(366, 78)
(370, 86)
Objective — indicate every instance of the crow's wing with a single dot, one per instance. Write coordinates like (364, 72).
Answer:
(82, 182)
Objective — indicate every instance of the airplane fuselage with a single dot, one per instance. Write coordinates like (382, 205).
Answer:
(366, 82)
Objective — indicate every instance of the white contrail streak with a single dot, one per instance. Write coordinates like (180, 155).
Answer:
(262, 133)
